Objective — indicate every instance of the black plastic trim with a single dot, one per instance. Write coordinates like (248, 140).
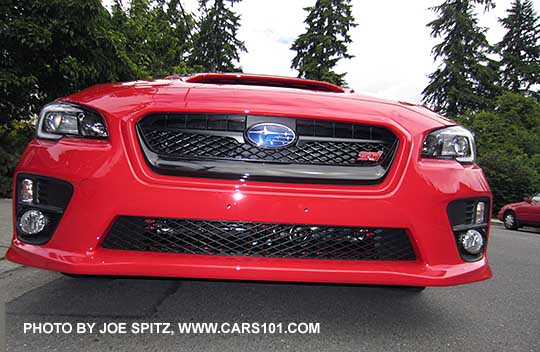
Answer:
(457, 211)
(457, 216)
(463, 228)
(53, 207)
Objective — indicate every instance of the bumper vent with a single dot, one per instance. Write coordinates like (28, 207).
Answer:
(51, 197)
(461, 212)
(228, 238)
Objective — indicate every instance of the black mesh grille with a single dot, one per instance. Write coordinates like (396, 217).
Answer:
(221, 147)
(230, 238)
(220, 137)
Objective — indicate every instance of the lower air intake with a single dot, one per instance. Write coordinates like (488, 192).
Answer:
(253, 239)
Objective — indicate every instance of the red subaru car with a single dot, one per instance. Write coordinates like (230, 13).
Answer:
(526, 213)
(233, 176)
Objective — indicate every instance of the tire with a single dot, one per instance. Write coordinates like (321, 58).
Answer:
(510, 220)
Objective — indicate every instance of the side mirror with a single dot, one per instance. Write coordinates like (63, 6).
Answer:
(527, 199)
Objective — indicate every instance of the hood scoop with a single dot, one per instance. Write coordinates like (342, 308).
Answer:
(264, 81)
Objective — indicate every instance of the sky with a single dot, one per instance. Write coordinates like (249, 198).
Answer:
(391, 44)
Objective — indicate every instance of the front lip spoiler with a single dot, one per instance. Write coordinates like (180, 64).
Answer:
(128, 263)
(271, 172)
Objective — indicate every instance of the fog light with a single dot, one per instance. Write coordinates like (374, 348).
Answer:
(472, 241)
(32, 222)
(26, 192)
(480, 212)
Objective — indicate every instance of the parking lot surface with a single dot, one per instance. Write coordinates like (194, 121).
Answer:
(501, 314)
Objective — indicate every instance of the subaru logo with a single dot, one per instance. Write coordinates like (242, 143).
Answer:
(270, 135)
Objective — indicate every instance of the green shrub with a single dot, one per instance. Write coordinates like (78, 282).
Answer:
(508, 145)
(511, 176)
(13, 139)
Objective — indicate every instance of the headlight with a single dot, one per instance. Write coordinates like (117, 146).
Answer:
(454, 142)
(64, 119)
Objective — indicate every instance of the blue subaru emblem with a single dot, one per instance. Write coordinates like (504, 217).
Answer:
(270, 135)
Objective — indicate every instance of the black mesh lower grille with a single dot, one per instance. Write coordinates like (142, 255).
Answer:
(230, 238)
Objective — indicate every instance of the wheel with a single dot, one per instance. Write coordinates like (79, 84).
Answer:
(510, 221)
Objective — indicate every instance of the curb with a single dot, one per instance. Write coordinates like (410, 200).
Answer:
(496, 222)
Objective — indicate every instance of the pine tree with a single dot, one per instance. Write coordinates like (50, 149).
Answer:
(177, 26)
(520, 47)
(466, 77)
(325, 41)
(216, 47)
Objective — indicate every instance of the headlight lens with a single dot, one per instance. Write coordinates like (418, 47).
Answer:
(454, 142)
(64, 119)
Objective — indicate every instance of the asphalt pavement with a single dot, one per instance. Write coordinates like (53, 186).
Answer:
(501, 314)
(5, 225)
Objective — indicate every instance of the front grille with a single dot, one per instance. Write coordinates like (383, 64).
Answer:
(215, 146)
(253, 239)
(201, 146)
(221, 137)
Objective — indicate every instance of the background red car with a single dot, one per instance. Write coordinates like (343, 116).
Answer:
(526, 213)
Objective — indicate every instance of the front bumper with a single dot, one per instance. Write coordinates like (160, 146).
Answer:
(107, 184)
(110, 262)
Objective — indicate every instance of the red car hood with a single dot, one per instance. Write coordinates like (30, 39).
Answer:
(123, 99)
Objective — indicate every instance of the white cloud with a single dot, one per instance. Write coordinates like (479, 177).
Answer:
(392, 45)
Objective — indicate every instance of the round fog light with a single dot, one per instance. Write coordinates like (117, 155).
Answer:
(472, 241)
(32, 222)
